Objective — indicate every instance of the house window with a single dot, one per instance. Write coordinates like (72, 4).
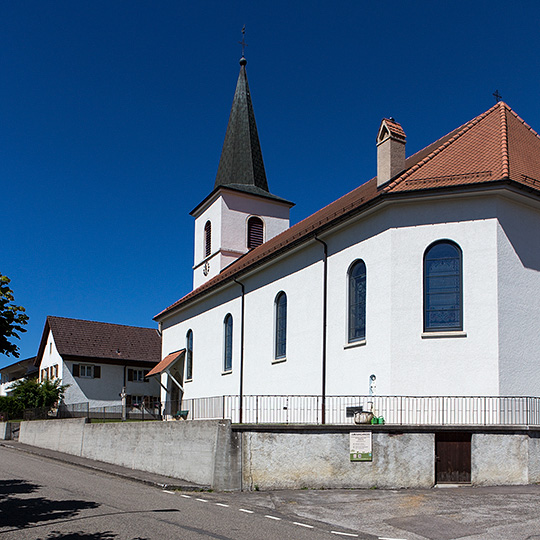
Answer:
(281, 325)
(86, 371)
(357, 301)
(227, 342)
(443, 295)
(207, 239)
(137, 375)
(255, 232)
(189, 355)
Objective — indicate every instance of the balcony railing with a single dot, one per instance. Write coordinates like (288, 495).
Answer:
(395, 410)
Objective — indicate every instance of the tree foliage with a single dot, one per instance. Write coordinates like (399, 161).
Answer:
(12, 319)
(31, 394)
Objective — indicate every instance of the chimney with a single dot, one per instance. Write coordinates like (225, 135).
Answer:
(390, 150)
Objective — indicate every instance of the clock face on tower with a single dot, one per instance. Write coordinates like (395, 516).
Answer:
(206, 268)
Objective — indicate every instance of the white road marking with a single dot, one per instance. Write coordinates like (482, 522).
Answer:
(167, 491)
(246, 511)
(221, 504)
(185, 496)
(201, 500)
(273, 517)
(303, 525)
(344, 534)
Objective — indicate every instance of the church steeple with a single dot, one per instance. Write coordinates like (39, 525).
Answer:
(240, 213)
(241, 165)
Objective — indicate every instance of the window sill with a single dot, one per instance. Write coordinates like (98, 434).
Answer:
(449, 334)
(188, 380)
(226, 372)
(279, 360)
(354, 344)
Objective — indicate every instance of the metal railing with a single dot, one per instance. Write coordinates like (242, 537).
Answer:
(395, 410)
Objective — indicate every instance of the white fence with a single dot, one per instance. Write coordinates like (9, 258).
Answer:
(396, 410)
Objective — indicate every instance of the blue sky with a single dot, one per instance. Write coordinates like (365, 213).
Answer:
(113, 116)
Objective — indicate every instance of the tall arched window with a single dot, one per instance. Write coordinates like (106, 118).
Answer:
(357, 301)
(443, 295)
(189, 355)
(207, 239)
(255, 232)
(227, 342)
(281, 325)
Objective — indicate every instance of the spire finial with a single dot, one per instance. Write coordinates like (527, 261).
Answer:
(497, 96)
(243, 60)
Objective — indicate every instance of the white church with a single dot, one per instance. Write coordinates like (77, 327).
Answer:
(424, 279)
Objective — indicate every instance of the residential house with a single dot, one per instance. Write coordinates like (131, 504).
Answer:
(97, 361)
(21, 369)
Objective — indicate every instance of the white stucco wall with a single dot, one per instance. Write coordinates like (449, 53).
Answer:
(51, 357)
(392, 241)
(518, 238)
(205, 320)
(105, 391)
(228, 215)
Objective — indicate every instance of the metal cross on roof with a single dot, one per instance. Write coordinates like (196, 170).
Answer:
(497, 96)
(243, 42)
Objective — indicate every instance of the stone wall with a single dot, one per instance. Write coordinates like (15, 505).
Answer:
(216, 454)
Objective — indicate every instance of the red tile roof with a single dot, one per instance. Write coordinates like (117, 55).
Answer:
(101, 341)
(497, 145)
(165, 363)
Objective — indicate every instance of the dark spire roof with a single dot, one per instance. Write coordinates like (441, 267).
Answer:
(241, 165)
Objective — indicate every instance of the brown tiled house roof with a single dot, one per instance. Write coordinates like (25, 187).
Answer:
(497, 146)
(101, 341)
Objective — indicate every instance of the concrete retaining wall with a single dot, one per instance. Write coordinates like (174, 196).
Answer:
(198, 451)
(216, 454)
(321, 460)
(61, 435)
(204, 451)
(500, 458)
(5, 431)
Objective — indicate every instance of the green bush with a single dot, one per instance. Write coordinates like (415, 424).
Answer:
(31, 394)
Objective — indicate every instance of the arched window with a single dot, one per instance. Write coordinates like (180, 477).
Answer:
(443, 296)
(227, 342)
(281, 325)
(357, 301)
(207, 239)
(255, 232)
(189, 355)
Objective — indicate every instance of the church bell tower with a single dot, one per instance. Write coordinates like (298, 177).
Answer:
(240, 213)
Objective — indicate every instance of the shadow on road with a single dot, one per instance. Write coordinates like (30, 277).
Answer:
(20, 512)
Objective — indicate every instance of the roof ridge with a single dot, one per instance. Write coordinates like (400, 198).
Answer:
(516, 115)
(504, 141)
(99, 322)
(464, 129)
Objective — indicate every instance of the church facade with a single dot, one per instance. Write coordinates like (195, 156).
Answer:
(423, 281)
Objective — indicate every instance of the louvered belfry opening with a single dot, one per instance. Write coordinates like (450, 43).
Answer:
(207, 239)
(255, 232)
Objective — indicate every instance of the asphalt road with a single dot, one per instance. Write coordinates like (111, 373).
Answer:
(42, 498)
(45, 499)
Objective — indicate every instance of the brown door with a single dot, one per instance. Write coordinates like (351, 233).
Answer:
(452, 457)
